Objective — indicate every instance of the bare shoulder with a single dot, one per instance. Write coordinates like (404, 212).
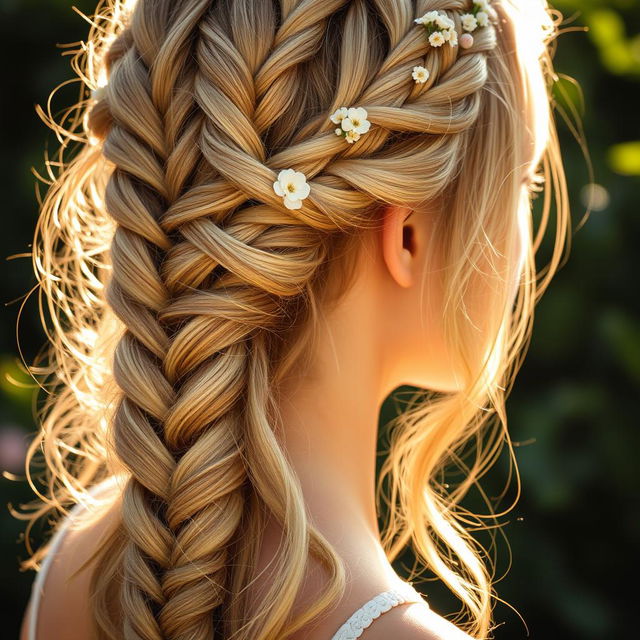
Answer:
(413, 622)
(63, 608)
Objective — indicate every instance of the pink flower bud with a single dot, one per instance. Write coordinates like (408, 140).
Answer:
(466, 40)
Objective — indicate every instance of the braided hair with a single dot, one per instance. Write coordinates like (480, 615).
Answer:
(200, 289)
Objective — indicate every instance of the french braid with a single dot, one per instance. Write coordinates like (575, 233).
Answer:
(211, 276)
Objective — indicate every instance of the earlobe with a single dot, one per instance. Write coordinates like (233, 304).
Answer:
(397, 245)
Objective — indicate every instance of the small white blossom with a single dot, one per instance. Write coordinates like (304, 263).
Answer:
(440, 28)
(483, 18)
(353, 122)
(420, 74)
(430, 16)
(351, 136)
(338, 115)
(444, 22)
(482, 5)
(356, 120)
(292, 186)
(469, 22)
(436, 39)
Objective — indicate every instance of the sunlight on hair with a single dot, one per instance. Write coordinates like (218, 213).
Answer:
(177, 290)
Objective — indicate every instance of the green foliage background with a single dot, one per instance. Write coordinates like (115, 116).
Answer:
(572, 536)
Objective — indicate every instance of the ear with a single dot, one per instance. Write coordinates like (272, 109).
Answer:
(398, 243)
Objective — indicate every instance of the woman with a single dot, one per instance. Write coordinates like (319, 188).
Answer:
(279, 212)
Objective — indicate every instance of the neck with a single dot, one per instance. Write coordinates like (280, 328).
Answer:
(329, 426)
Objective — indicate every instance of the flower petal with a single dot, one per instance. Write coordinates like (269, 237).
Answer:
(277, 187)
(292, 204)
(305, 189)
(352, 136)
(298, 178)
(338, 115)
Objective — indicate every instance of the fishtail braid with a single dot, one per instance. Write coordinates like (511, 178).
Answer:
(167, 561)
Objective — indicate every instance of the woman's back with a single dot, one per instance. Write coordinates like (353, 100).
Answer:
(58, 609)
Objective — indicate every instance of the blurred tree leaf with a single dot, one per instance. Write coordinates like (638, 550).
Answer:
(624, 158)
(607, 30)
(16, 385)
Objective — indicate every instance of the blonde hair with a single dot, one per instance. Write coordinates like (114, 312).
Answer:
(181, 292)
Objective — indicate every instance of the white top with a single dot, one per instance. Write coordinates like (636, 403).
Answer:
(351, 629)
(374, 608)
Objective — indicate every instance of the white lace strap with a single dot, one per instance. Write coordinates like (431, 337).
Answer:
(374, 608)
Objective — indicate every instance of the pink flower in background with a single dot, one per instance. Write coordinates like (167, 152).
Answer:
(13, 448)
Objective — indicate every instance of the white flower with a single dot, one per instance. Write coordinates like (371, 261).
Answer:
(441, 28)
(351, 136)
(436, 39)
(338, 115)
(430, 16)
(292, 186)
(356, 120)
(483, 18)
(353, 122)
(420, 74)
(469, 22)
(444, 22)
(482, 5)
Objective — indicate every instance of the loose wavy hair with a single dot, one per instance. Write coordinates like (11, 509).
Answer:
(178, 292)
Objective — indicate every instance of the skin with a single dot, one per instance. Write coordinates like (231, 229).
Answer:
(374, 341)
(385, 332)
(382, 334)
